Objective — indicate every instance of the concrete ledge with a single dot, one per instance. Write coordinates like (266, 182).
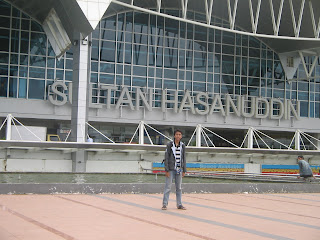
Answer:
(96, 188)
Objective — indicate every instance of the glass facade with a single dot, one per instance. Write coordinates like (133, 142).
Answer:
(27, 62)
(136, 49)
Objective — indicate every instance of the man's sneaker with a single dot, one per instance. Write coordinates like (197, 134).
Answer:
(164, 207)
(181, 207)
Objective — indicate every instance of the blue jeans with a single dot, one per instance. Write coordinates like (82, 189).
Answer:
(167, 188)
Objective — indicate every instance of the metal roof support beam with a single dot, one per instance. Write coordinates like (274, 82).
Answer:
(295, 26)
(269, 36)
(275, 25)
(254, 20)
(208, 10)
(184, 4)
(158, 5)
(316, 29)
(232, 16)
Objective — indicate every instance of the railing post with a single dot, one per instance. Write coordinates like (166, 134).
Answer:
(9, 126)
(297, 140)
(198, 135)
(141, 132)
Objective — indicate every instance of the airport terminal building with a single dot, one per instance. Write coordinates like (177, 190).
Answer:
(227, 65)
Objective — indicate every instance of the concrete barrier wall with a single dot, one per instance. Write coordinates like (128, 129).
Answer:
(20, 160)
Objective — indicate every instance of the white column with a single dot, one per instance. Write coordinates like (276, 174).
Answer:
(297, 140)
(141, 132)
(80, 100)
(250, 138)
(198, 135)
(9, 126)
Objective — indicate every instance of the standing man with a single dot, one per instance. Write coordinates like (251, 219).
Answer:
(304, 168)
(175, 166)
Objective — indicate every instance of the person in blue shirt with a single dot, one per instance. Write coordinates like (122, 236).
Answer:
(304, 169)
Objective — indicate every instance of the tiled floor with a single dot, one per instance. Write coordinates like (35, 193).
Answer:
(124, 216)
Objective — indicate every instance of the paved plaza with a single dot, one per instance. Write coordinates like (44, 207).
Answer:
(139, 216)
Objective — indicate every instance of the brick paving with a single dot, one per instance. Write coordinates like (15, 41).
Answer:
(139, 216)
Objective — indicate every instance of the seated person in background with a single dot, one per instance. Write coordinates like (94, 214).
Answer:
(90, 140)
(304, 168)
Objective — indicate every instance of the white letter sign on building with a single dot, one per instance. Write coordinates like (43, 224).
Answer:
(201, 104)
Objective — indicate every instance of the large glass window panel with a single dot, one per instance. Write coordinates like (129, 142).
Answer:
(227, 79)
(38, 61)
(4, 57)
(68, 75)
(278, 70)
(60, 63)
(95, 50)
(217, 60)
(15, 40)
(107, 51)
(3, 69)
(170, 73)
(13, 70)
(303, 95)
(227, 64)
(303, 86)
(38, 44)
(140, 53)
(171, 27)
(199, 87)
(107, 67)
(253, 52)
(108, 34)
(152, 56)
(139, 71)
(141, 22)
(4, 22)
(24, 42)
(170, 57)
(139, 82)
(140, 38)
(13, 87)
(253, 42)
(254, 67)
(22, 88)
(106, 78)
(171, 42)
(5, 8)
(109, 23)
(3, 86)
(23, 71)
(14, 59)
(199, 76)
(170, 84)
(4, 40)
(200, 33)
(129, 21)
(200, 60)
(159, 56)
(189, 58)
(278, 93)
(217, 36)
(59, 74)
(304, 106)
(25, 24)
(228, 49)
(36, 89)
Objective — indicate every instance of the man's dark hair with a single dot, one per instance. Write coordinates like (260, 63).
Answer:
(300, 156)
(177, 130)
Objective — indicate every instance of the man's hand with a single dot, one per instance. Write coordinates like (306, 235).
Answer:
(167, 174)
(183, 174)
